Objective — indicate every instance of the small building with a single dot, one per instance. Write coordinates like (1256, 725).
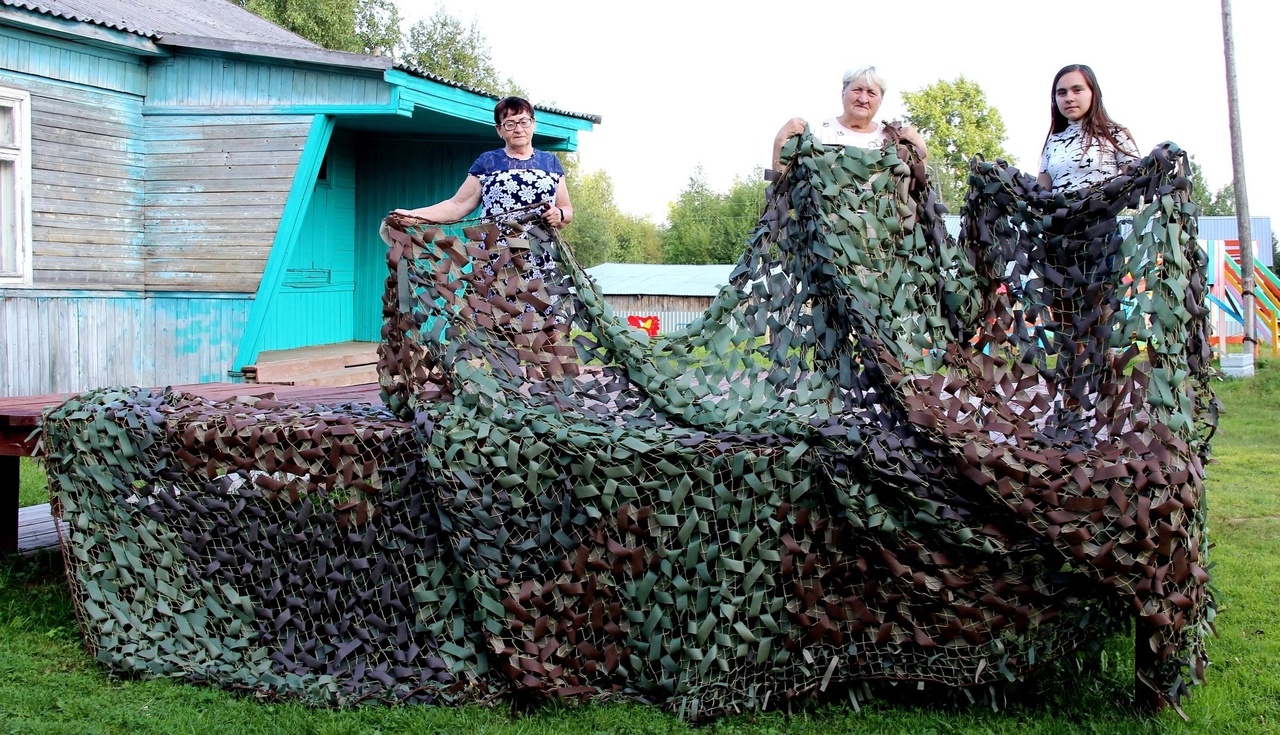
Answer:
(185, 186)
(675, 294)
(1227, 228)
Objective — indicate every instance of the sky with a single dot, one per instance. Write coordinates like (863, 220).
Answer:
(707, 83)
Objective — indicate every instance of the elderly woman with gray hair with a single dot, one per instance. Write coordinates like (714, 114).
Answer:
(861, 95)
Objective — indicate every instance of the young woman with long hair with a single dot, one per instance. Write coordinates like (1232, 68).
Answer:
(1084, 145)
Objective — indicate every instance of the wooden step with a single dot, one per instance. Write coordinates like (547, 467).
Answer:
(287, 366)
(343, 376)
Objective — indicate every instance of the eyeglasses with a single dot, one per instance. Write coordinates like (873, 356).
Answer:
(524, 122)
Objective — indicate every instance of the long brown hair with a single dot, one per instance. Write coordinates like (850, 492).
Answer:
(1097, 124)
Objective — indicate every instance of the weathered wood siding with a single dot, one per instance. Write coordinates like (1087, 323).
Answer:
(87, 160)
(646, 303)
(216, 188)
(230, 85)
(398, 174)
(50, 342)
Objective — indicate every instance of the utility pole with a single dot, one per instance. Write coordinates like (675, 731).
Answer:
(1243, 229)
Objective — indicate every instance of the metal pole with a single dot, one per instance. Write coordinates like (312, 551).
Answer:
(1244, 231)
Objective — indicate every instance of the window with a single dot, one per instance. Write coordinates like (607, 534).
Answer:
(15, 187)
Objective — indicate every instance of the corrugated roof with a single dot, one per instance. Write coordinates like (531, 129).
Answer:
(158, 18)
(420, 72)
(625, 279)
(210, 19)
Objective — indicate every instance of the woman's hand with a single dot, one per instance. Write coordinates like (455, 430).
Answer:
(794, 126)
(912, 136)
(554, 216)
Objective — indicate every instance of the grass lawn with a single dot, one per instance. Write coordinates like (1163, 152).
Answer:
(48, 684)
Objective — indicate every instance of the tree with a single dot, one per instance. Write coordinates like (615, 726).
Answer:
(705, 226)
(357, 26)
(442, 45)
(956, 123)
(639, 240)
(1222, 202)
(378, 27)
(600, 232)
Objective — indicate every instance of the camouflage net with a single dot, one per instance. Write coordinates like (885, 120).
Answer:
(879, 455)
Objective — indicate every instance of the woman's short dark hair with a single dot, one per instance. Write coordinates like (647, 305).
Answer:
(508, 106)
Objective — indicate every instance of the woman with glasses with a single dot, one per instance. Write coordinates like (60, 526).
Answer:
(1084, 145)
(512, 178)
(861, 95)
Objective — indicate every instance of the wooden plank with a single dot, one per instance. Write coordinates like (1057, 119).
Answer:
(273, 142)
(87, 119)
(252, 266)
(280, 175)
(44, 195)
(85, 223)
(91, 250)
(97, 262)
(80, 180)
(194, 186)
(177, 281)
(53, 161)
(177, 127)
(59, 136)
(215, 211)
(38, 529)
(212, 253)
(75, 278)
(229, 158)
(181, 225)
(60, 101)
(46, 233)
(41, 150)
(184, 199)
(83, 201)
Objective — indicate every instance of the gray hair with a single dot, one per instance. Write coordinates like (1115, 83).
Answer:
(864, 74)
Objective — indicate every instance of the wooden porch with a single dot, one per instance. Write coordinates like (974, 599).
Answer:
(30, 529)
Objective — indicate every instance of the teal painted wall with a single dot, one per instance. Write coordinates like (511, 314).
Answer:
(398, 174)
(315, 305)
(188, 81)
(64, 341)
(68, 61)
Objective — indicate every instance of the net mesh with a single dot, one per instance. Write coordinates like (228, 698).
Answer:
(880, 454)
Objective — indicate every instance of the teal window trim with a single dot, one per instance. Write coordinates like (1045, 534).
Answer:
(295, 210)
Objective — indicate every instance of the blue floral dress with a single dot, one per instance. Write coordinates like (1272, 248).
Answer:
(510, 184)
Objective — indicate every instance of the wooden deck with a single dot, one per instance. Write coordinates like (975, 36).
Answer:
(29, 529)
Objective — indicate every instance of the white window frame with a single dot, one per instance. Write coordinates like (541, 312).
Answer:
(19, 102)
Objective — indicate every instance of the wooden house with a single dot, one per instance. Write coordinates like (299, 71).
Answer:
(186, 186)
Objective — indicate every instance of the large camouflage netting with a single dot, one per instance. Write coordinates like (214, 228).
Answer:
(880, 455)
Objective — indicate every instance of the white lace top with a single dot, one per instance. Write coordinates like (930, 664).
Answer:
(1072, 166)
(831, 132)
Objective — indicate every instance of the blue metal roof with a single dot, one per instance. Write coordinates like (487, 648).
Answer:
(648, 279)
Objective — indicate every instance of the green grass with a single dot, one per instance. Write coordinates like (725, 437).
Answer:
(32, 488)
(49, 684)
